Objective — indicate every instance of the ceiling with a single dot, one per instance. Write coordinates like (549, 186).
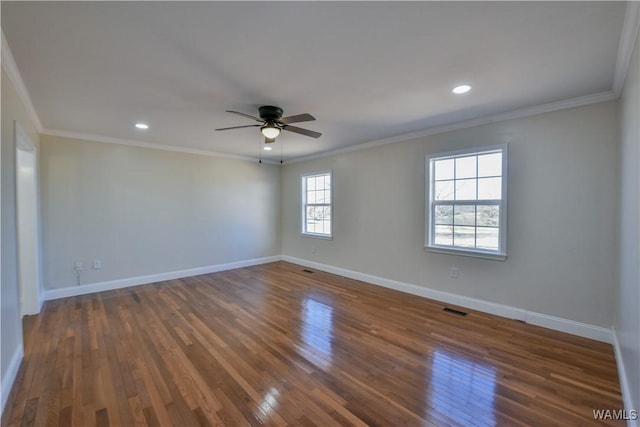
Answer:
(366, 70)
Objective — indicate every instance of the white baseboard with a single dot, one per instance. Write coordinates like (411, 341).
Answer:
(6, 383)
(551, 322)
(71, 291)
(572, 327)
(624, 384)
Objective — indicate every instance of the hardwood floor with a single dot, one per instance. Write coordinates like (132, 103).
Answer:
(275, 345)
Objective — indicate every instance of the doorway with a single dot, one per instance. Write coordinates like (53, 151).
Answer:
(27, 212)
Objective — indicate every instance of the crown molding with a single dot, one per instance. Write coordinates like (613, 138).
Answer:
(151, 145)
(10, 66)
(627, 42)
(510, 115)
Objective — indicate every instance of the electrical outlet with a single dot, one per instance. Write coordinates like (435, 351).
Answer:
(454, 272)
(313, 249)
(78, 266)
(97, 264)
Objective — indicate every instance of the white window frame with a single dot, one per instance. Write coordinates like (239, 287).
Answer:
(501, 253)
(303, 180)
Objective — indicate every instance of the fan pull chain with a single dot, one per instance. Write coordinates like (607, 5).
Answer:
(260, 149)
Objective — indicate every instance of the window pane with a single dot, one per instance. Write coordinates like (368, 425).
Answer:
(444, 190)
(311, 197)
(488, 215)
(465, 215)
(490, 164)
(327, 182)
(444, 215)
(487, 238)
(315, 227)
(443, 169)
(443, 235)
(464, 236)
(311, 184)
(466, 167)
(490, 188)
(465, 189)
(326, 213)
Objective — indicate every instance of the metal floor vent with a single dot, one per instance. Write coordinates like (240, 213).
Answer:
(453, 311)
(307, 271)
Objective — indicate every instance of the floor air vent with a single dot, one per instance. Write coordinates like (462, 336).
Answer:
(307, 271)
(456, 312)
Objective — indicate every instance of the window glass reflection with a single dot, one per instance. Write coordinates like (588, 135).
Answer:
(472, 383)
(317, 332)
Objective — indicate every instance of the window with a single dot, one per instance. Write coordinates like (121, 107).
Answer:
(467, 202)
(316, 205)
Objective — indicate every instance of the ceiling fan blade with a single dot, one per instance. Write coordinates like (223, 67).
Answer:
(297, 118)
(269, 140)
(238, 127)
(301, 131)
(245, 115)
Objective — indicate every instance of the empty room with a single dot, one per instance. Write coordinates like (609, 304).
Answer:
(320, 213)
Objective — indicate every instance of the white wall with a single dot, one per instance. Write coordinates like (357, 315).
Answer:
(11, 324)
(627, 304)
(562, 210)
(143, 211)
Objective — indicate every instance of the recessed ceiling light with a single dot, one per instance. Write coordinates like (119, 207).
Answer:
(142, 126)
(267, 148)
(459, 90)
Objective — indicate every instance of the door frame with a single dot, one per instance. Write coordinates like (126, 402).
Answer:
(30, 292)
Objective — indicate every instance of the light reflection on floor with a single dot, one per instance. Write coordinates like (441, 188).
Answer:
(270, 401)
(462, 389)
(317, 332)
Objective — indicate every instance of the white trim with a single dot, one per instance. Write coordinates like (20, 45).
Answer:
(24, 143)
(625, 48)
(9, 377)
(572, 327)
(556, 323)
(71, 291)
(152, 145)
(303, 220)
(429, 226)
(624, 384)
(509, 115)
(10, 66)
(468, 253)
(316, 236)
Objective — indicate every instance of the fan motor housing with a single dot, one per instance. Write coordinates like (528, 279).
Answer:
(270, 113)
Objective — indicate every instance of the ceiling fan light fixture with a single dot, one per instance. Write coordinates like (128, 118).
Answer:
(270, 130)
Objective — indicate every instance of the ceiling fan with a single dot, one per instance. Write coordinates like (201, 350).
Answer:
(272, 123)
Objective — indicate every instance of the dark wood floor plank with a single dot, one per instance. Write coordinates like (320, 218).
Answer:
(274, 345)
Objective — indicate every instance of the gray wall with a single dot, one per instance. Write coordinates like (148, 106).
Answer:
(143, 211)
(562, 206)
(627, 305)
(12, 109)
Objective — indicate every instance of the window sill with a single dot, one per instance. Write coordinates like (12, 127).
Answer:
(474, 254)
(317, 236)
